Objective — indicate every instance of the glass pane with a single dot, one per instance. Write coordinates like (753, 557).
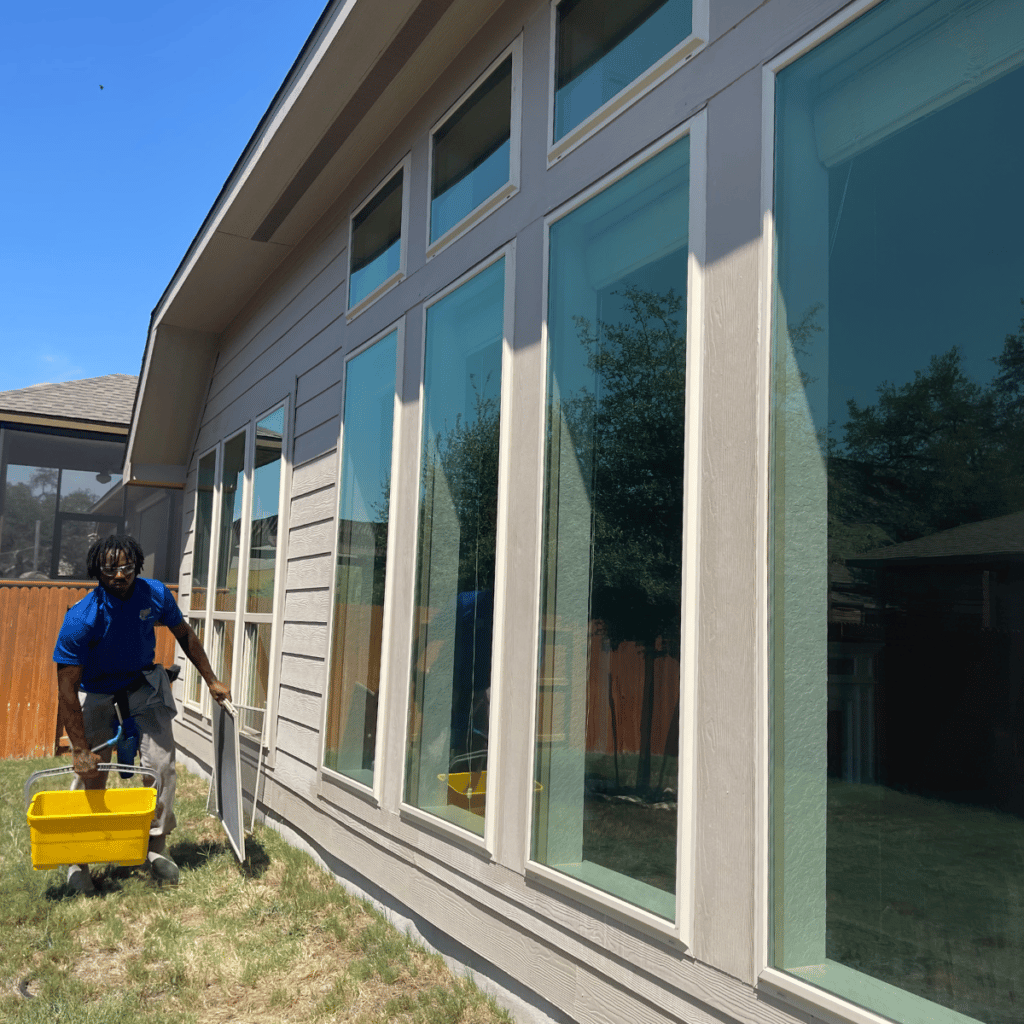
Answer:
(446, 771)
(376, 241)
(471, 152)
(604, 45)
(75, 535)
(59, 494)
(608, 706)
(362, 561)
(256, 669)
(899, 513)
(266, 493)
(193, 680)
(202, 532)
(228, 548)
(222, 657)
(84, 491)
(26, 543)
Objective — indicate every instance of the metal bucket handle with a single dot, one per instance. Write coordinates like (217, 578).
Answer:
(110, 767)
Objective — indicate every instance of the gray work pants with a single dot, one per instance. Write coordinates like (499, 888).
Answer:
(149, 709)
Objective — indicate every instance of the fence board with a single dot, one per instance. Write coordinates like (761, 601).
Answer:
(31, 613)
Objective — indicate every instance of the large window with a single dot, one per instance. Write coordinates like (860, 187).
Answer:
(474, 154)
(898, 661)
(602, 46)
(361, 568)
(449, 710)
(376, 257)
(235, 542)
(607, 747)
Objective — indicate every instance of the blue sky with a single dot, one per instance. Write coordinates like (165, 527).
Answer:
(104, 188)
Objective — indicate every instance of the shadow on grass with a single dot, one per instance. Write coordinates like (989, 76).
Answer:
(257, 860)
(189, 855)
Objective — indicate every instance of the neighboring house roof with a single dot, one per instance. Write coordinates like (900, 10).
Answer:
(102, 402)
(1000, 538)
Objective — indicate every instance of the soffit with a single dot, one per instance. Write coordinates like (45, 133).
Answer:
(340, 108)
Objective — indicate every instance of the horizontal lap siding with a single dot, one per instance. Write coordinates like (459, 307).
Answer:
(580, 958)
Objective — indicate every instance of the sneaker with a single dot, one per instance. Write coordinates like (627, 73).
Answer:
(162, 867)
(80, 880)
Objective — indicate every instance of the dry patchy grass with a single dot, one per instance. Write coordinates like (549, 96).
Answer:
(272, 941)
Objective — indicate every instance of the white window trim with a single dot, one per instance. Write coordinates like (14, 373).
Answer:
(275, 617)
(511, 187)
(495, 754)
(384, 692)
(238, 616)
(385, 286)
(636, 90)
(203, 704)
(682, 928)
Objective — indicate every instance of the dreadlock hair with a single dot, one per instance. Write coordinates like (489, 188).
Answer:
(116, 544)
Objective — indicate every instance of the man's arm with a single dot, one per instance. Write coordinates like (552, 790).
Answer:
(193, 648)
(85, 761)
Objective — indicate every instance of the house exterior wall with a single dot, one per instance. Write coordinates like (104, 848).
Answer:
(574, 955)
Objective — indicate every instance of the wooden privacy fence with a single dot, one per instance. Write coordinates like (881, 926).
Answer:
(31, 613)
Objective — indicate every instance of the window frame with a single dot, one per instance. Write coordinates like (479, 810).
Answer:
(790, 989)
(511, 187)
(374, 793)
(631, 94)
(352, 310)
(497, 766)
(682, 928)
(239, 616)
(191, 673)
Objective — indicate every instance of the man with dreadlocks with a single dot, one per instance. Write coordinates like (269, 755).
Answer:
(104, 657)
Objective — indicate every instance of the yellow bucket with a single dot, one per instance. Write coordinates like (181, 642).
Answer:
(89, 826)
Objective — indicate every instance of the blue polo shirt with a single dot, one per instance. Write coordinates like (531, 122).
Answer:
(113, 640)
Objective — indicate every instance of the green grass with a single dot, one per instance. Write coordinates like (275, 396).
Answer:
(928, 896)
(271, 941)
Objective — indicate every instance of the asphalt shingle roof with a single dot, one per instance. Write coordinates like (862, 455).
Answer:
(106, 400)
(1002, 537)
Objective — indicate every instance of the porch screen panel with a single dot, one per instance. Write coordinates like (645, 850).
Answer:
(606, 788)
(450, 706)
(898, 532)
(361, 571)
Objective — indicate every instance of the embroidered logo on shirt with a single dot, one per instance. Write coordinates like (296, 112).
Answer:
(145, 613)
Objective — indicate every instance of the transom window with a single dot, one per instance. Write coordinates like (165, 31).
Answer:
(376, 257)
(474, 152)
(602, 46)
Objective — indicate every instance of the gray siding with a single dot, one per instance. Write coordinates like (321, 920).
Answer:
(579, 958)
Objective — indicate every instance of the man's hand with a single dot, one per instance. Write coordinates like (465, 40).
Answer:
(219, 692)
(85, 762)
